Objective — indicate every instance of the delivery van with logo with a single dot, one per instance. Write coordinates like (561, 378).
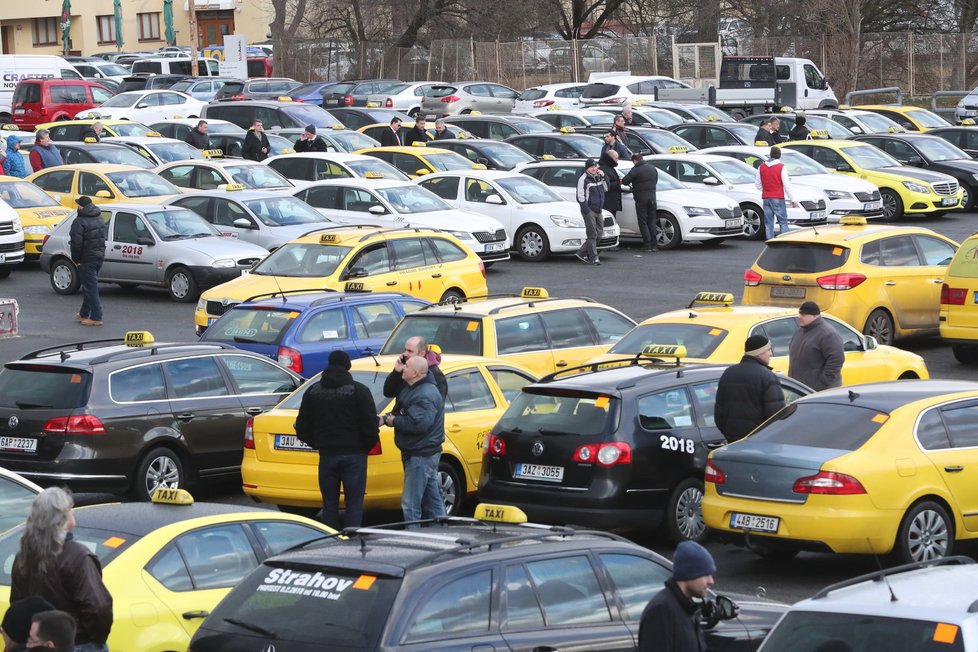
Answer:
(15, 67)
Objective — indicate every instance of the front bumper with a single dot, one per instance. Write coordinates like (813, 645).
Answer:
(208, 277)
(918, 202)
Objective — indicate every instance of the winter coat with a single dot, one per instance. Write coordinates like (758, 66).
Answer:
(390, 138)
(316, 144)
(419, 429)
(748, 393)
(670, 623)
(394, 383)
(799, 132)
(253, 144)
(45, 157)
(612, 197)
(415, 135)
(87, 235)
(765, 136)
(816, 355)
(338, 415)
(590, 193)
(198, 139)
(643, 179)
(14, 164)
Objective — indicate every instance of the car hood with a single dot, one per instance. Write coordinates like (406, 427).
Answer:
(966, 165)
(454, 220)
(48, 215)
(694, 198)
(834, 182)
(218, 247)
(917, 173)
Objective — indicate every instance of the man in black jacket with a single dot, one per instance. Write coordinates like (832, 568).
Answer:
(256, 146)
(392, 137)
(415, 346)
(87, 240)
(765, 133)
(670, 622)
(197, 137)
(417, 133)
(643, 178)
(748, 392)
(338, 418)
(309, 141)
(95, 131)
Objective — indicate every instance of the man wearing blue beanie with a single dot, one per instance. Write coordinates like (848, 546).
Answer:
(670, 622)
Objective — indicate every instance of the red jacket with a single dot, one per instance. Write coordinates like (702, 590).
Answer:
(773, 188)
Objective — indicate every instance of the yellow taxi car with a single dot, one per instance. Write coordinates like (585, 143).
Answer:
(105, 183)
(714, 330)
(425, 263)
(419, 159)
(911, 118)
(884, 280)
(959, 303)
(169, 563)
(38, 212)
(278, 468)
(536, 331)
(871, 471)
(905, 190)
(73, 129)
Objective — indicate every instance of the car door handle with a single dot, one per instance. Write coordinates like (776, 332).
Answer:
(954, 469)
(454, 428)
(561, 364)
(937, 280)
(890, 283)
(391, 283)
(715, 444)
(545, 648)
(254, 410)
(436, 276)
(190, 615)
(187, 416)
(117, 247)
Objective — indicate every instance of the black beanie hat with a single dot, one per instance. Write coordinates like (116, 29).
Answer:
(17, 620)
(339, 359)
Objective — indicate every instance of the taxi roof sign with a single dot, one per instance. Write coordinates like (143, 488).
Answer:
(355, 286)
(154, 134)
(567, 130)
(233, 187)
(548, 157)
(664, 351)
(678, 149)
(967, 122)
(174, 496)
(787, 109)
(534, 293)
(90, 139)
(328, 238)
(213, 153)
(9, 127)
(373, 174)
(820, 133)
(852, 220)
(553, 107)
(500, 513)
(338, 125)
(479, 166)
(139, 338)
(719, 298)
(284, 98)
(419, 143)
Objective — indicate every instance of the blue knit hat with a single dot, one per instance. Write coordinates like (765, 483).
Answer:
(691, 561)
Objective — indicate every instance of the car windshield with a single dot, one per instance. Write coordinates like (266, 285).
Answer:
(184, 85)
(586, 146)
(834, 426)
(447, 161)
(599, 118)
(927, 119)
(662, 117)
(811, 631)
(180, 224)
(531, 125)
(878, 124)
(142, 184)
(128, 129)
(802, 257)
(938, 149)
(800, 165)
(112, 69)
(306, 89)
(870, 158)
(362, 167)
(527, 190)
(505, 153)
(563, 414)
(280, 145)
(21, 194)
(42, 387)
(666, 139)
(257, 177)
(168, 152)
(834, 129)
(302, 260)
(700, 340)
(744, 132)
(453, 335)
(283, 211)
(734, 171)
(353, 141)
(412, 199)
(106, 544)
(118, 156)
(703, 112)
(224, 128)
(122, 100)
(310, 115)
(243, 325)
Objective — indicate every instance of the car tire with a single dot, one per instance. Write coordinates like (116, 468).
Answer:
(452, 296)
(451, 483)
(415, 112)
(926, 532)
(181, 285)
(965, 353)
(879, 324)
(892, 205)
(684, 513)
(5, 271)
(753, 222)
(532, 243)
(967, 198)
(160, 467)
(64, 276)
(670, 233)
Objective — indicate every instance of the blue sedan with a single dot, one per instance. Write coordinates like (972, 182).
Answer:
(312, 92)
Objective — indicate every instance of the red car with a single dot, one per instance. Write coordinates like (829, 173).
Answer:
(37, 101)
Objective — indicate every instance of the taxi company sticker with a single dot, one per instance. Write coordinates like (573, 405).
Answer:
(716, 331)
(602, 402)
(837, 251)
(880, 418)
(945, 633)
(472, 326)
(75, 379)
(364, 582)
(113, 542)
(317, 585)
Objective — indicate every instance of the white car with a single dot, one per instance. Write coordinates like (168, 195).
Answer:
(319, 166)
(860, 121)
(618, 89)
(102, 70)
(684, 215)
(559, 118)
(17, 494)
(735, 179)
(397, 203)
(212, 174)
(158, 150)
(543, 222)
(566, 96)
(846, 195)
(647, 116)
(405, 97)
(146, 107)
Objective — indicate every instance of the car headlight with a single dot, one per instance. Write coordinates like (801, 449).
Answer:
(696, 210)
(913, 186)
(37, 229)
(567, 222)
(201, 304)
(223, 262)
(462, 235)
(838, 194)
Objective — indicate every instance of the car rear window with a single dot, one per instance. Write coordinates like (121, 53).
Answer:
(106, 544)
(802, 257)
(600, 90)
(452, 334)
(558, 412)
(835, 426)
(965, 263)
(230, 88)
(805, 631)
(440, 91)
(700, 340)
(345, 610)
(250, 326)
(533, 94)
(43, 387)
(27, 93)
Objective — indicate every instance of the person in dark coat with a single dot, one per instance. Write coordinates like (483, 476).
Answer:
(612, 196)
(94, 131)
(52, 565)
(87, 239)
(748, 392)
(591, 187)
(309, 141)
(55, 631)
(611, 142)
(338, 418)
(416, 345)
(256, 146)
(197, 137)
(417, 133)
(643, 178)
(800, 131)
(816, 353)
(392, 137)
(765, 133)
(16, 625)
(670, 622)
(441, 130)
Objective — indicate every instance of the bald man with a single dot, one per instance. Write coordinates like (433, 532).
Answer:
(415, 346)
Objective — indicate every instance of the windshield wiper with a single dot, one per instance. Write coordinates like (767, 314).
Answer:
(544, 431)
(245, 340)
(255, 628)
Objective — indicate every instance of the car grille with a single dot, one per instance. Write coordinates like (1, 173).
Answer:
(727, 213)
(945, 188)
(218, 307)
(6, 228)
(11, 246)
(247, 262)
(868, 196)
(814, 205)
(499, 235)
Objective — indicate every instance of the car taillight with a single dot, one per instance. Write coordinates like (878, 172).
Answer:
(494, 445)
(953, 296)
(616, 100)
(542, 103)
(482, 268)
(347, 100)
(249, 439)
(290, 358)
(80, 424)
(239, 96)
(603, 454)
(44, 111)
(450, 98)
(714, 474)
(752, 278)
(389, 104)
(827, 482)
(296, 99)
(840, 281)
(377, 449)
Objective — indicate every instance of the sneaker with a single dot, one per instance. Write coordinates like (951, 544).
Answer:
(78, 317)
(91, 322)
(595, 262)
(581, 258)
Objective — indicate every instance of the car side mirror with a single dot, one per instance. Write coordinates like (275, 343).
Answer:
(495, 199)
(711, 181)
(356, 272)
(843, 167)
(870, 343)
(719, 608)
(421, 172)
(243, 223)
(104, 194)
(856, 130)
(145, 240)
(142, 105)
(377, 209)
(915, 160)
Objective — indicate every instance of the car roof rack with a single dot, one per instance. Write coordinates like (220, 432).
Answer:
(282, 293)
(638, 360)
(531, 303)
(64, 349)
(134, 351)
(881, 574)
(332, 227)
(416, 229)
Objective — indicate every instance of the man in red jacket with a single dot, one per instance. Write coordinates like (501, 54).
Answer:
(775, 186)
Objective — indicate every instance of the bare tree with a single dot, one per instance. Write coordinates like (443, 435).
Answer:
(285, 26)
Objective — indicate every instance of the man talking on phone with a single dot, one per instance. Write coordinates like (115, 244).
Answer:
(415, 346)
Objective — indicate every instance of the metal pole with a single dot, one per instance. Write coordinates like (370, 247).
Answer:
(192, 4)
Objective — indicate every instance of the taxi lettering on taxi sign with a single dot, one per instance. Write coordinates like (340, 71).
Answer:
(534, 293)
(760, 143)
(213, 153)
(419, 143)
(678, 149)
(665, 350)
(90, 140)
(139, 338)
(168, 496)
(852, 220)
(724, 298)
(500, 513)
(354, 286)
(327, 238)
(154, 134)
(232, 187)
(373, 175)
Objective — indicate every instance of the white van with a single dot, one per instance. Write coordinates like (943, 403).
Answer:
(206, 67)
(14, 67)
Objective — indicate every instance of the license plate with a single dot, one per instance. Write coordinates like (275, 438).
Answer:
(495, 247)
(20, 111)
(22, 444)
(949, 201)
(788, 293)
(538, 472)
(430, 116)
(754, 522)
(817, 215)
(609, 233)
(3, 258)
(211, 320)
(332, 101)
(873, 206)
(290, 443)
(732, 224)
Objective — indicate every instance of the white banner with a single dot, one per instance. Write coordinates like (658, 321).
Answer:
(235, 63)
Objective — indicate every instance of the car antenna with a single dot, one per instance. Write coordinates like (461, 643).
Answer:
(882, 576)
(370, 352)
(852, 396)
(279, 287)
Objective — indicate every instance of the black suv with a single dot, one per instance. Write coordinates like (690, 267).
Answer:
(460, 585)
(102, 416)
(619, 447)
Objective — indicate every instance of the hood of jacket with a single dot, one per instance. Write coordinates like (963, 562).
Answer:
(335, 377)
(433, 358)
(91, 210)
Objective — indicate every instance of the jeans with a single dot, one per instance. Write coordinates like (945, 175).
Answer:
(351, 471)
(775, 208)
(592, 227)
(421, 497)
(645, 211)
(91, 307)
(92, 647)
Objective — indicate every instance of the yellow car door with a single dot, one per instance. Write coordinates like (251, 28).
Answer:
(95, 186)
(936, 255)
(59, 184)
(371, 270)
(471, 408)
(949, 440)
(522, 340)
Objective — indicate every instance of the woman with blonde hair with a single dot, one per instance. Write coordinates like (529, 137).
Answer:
(52, 565)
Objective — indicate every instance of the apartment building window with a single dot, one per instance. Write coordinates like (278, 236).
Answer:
(106, 28)
(45, 31)
(149, 26)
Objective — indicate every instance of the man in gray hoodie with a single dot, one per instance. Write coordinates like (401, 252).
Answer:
(816, 353)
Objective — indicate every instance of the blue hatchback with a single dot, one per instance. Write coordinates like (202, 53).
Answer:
(311, 92)
(300, 329)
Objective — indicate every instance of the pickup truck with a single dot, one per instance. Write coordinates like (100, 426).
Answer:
(751, 85)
